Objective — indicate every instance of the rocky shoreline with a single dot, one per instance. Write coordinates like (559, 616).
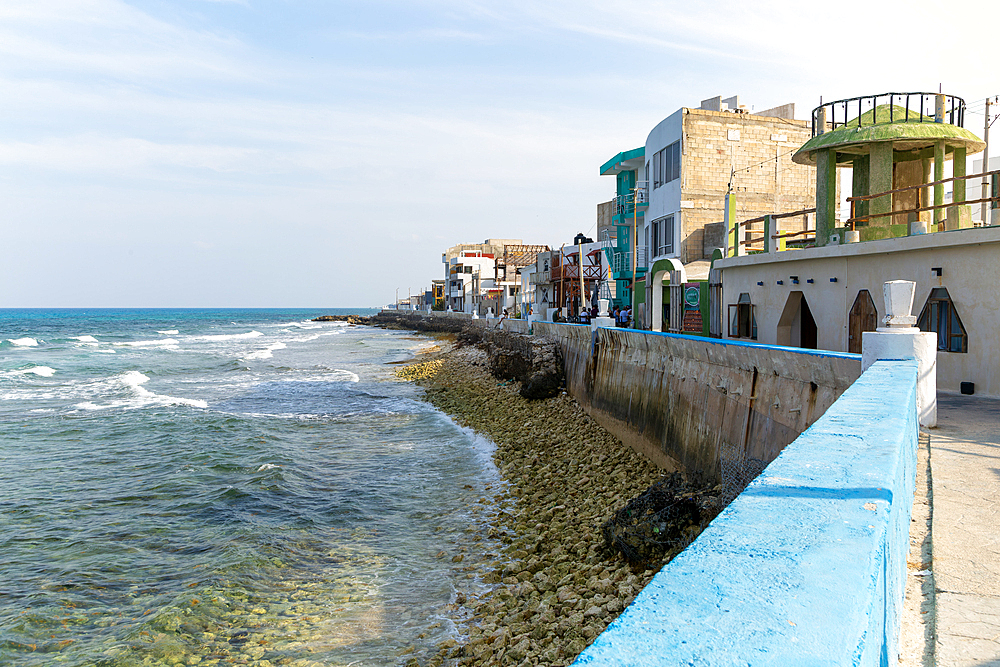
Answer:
(556, 584)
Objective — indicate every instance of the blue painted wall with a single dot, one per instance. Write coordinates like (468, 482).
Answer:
(807, 566)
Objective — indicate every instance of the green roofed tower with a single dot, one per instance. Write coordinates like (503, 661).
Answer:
(892, 141)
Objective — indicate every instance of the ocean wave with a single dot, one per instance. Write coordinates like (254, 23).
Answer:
(23, 342)
(218, 337)
(141, 397)
(267, 352)
(169, 332)
(85, 339)
(41, 371)
(267, 466)
(347, 376)
(161, 342)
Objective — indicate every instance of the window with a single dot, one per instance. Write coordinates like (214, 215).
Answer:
(661, 238)
(650, 234)
(742, 323)
(467, 269)
(940, 316)
(667, 164)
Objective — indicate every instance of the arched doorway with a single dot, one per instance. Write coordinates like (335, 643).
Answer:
(796, 327)
(660, 270)
(863, 317)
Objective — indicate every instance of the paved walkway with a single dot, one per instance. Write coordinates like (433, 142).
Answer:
(965, 476)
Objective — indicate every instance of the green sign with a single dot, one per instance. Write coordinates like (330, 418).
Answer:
(692, 296)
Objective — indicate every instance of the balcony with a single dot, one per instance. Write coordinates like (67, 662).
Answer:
(572, 271)
(626, 205)
(540, 278)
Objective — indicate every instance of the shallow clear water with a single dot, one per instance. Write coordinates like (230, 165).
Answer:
(221, 487)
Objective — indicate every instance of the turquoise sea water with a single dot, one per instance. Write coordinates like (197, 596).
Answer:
(224, 487)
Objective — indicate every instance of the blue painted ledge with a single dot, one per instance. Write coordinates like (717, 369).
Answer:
(807, 566)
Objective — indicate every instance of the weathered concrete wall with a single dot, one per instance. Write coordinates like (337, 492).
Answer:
(699, 403)
(807, 566)
(970, 272)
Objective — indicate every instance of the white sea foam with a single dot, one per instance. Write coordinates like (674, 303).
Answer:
(162, 342)
(85, 339)
(267, 352)
(41, 371)
(169, 332)
(215, 337)
(141, 397)
(347, 376)
(23, 342)
(267, 466)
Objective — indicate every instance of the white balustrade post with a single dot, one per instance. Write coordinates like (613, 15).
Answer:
(900, 339)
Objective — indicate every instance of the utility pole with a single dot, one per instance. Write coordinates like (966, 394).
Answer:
(986, 167)
(635, 244)
(396, 303)
(583, 296)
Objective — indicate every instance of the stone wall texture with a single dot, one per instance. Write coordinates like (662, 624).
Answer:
(699, 404)
(765, 179)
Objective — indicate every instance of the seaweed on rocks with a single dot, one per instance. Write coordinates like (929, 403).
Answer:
(661, 520)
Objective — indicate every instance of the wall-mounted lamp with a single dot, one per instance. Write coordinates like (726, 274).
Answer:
(794, 279)
(833, 280)
(760, 282)
(936, 271)
(781, 282)
(810, 281)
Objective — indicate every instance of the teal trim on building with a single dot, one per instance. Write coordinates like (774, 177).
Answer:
(614, 165)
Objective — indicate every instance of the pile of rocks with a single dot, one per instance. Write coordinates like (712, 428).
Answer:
(556, 585)
(534, 361)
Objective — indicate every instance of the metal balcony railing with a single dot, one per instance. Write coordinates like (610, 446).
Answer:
(901, 107)
(625, 204)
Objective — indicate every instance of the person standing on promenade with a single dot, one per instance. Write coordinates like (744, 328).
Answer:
(584, 316)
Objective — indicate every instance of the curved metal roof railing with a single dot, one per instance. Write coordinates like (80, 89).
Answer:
(917, 107)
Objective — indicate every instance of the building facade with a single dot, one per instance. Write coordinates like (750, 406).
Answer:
(695, 156)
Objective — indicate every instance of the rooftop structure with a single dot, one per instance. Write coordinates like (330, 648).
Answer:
(891, 141)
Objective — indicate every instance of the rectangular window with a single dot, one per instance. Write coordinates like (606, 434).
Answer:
(674, 158)
(661, 240)
(667, 235)
(666, 164)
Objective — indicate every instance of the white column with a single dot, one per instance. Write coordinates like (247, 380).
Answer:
(898, 340)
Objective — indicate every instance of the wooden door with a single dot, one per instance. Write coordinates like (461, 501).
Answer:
(863, 317)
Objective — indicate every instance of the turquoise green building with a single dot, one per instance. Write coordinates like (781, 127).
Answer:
(628, 209)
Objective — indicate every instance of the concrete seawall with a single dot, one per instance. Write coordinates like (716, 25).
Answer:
(807, 565)
(699, 404)
(721, 408)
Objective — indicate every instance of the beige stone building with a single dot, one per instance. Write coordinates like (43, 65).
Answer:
(694, 156)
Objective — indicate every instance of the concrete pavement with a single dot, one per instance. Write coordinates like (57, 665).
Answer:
(965, 473)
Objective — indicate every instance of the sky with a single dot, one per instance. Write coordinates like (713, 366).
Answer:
(307, 153)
